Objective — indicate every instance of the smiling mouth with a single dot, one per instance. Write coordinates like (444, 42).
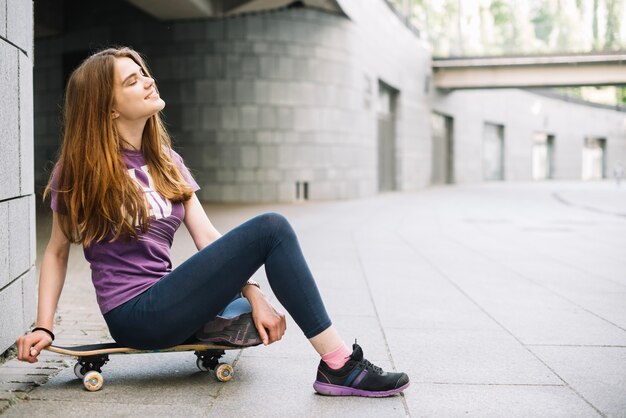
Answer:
(152, 95)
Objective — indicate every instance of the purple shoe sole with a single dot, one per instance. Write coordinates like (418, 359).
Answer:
(239, 331)
(334, 390)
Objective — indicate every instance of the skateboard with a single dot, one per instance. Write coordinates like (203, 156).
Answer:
(92, 357)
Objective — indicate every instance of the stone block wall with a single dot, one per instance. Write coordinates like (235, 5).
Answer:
(272, 100)
(259, 102)
(17, 202)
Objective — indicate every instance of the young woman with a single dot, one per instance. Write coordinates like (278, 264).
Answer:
(121, 191)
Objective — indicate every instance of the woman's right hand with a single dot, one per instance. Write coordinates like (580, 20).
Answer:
(30, 345)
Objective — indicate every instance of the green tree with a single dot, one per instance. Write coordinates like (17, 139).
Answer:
(621, 96)
(543, 22)
(505, 25)
(596, 32)
(611, 39)
(500, 10)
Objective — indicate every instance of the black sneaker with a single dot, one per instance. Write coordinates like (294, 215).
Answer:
(238, 331)
(358, 377)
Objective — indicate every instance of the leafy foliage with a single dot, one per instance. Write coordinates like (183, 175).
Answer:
(488, 27)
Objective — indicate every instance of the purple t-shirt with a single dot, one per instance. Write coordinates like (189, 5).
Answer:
(121, 270)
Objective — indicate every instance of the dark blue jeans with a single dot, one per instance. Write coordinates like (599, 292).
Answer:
(179, 304)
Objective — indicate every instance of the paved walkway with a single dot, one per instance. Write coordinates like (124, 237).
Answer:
(497, 300)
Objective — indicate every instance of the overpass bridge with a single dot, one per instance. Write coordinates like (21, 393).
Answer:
(597, 69)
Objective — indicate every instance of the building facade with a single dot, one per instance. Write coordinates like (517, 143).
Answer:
(520, 135)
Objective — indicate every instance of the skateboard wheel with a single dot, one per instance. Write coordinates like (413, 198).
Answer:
(93, 381)
(78, 370)
(224, 372)
(201, 366)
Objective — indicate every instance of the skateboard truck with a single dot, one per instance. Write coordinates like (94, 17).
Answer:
(89, 363)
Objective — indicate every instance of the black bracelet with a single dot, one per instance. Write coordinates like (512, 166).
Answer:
(47, 331)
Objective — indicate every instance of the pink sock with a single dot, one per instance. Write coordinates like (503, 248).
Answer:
(337, 357)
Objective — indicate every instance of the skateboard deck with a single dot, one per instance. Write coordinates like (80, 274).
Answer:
(115, 348)
(92, 357)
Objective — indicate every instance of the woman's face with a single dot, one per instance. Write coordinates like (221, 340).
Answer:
(135, 94)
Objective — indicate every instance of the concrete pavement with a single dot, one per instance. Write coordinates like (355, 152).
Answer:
(504, 299)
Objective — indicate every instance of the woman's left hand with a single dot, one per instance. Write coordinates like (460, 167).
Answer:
(270, 323)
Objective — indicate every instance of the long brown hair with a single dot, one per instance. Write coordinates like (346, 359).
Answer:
(92, 184)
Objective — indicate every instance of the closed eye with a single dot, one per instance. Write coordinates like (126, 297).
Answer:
(134, 77)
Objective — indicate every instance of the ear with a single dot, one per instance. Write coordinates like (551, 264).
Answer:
(114, 114)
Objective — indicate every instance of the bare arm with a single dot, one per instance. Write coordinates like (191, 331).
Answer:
(198, 224)
(51, 279)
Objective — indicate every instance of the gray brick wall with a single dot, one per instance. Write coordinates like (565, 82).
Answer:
(17, 202)
(523, 113)
(258, 102)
